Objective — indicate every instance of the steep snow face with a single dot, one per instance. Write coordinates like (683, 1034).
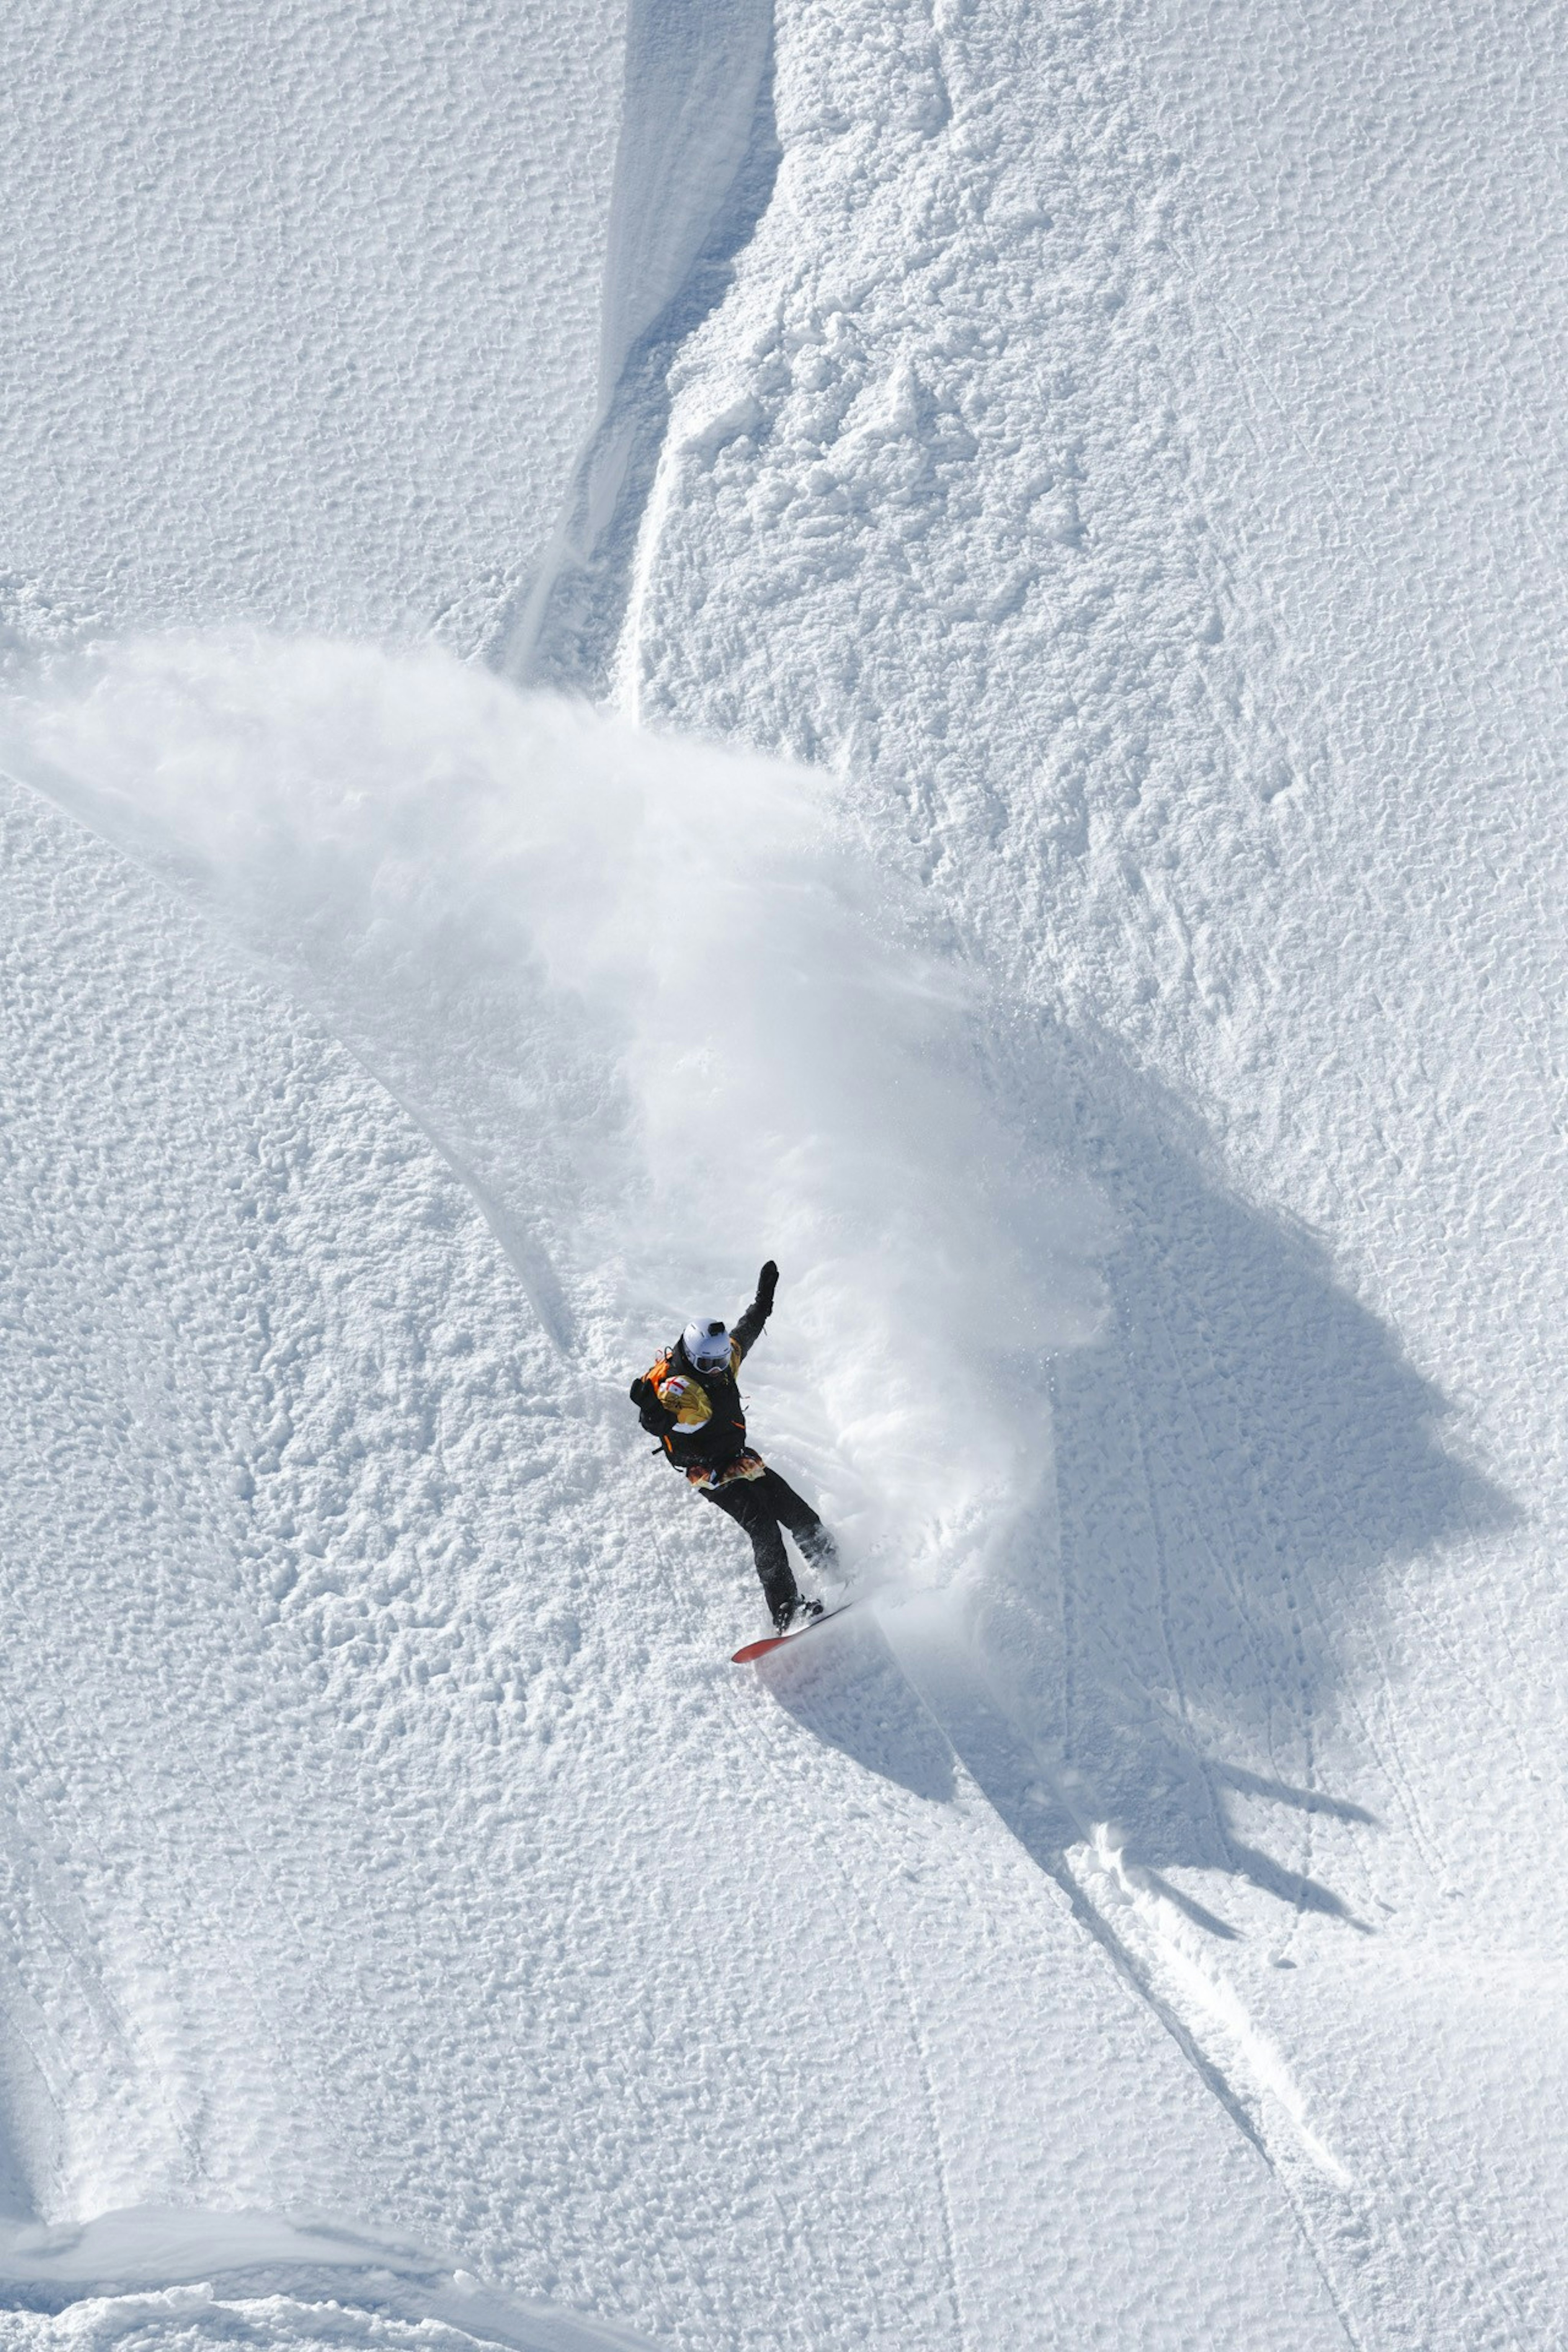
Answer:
(694, 161)
(1101, 447)
(1126, 457)
(301, 306)
(392, 1839)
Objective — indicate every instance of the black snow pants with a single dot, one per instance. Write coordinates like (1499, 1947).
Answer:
(760, 1505)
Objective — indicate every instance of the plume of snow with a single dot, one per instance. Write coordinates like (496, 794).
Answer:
(660, 1011)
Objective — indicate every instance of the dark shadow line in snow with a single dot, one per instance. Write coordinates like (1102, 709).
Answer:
(1290, 1887)
(530, 1262)
(1210, 1921)
(562, 629)
(1281, 1792)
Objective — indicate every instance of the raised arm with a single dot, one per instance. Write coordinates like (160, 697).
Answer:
(748, 1331)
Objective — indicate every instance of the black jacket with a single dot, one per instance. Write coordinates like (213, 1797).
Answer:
(698, 1417)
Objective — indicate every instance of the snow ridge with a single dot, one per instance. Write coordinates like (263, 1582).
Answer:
(695, 164)
(250, 2277)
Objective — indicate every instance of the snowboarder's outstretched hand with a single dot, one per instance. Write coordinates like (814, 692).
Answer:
(767, 1283)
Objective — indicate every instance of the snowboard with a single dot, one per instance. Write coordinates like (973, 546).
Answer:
(754, 1650)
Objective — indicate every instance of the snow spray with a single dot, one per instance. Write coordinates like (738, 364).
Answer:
(663, 1015)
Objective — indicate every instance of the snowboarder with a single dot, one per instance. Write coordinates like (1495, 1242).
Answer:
(690, 1402)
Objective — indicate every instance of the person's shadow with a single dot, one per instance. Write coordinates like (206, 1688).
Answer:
(1244, 1456)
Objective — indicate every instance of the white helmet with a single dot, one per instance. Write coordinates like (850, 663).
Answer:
(707, 1345)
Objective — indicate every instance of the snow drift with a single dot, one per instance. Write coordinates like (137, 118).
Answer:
(193, 2276)
(661, 1012)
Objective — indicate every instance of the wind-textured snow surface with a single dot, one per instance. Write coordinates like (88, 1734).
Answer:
(302, 307)
(1062, 512)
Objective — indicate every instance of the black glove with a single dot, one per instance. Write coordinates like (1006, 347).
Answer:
(767, 1283)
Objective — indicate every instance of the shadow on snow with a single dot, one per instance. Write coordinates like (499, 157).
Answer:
(1243, 1456)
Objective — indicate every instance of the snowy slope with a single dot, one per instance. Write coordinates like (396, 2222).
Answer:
(418, 1856)
(1115, 451)
(1146, 496)
(301, 302)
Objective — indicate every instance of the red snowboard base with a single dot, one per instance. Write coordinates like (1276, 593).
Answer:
(778, 1641)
